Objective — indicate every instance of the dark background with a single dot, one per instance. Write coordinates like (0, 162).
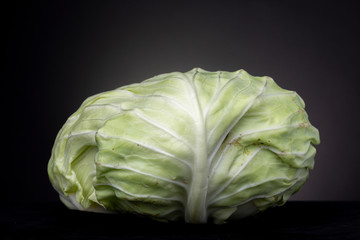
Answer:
(60, 52)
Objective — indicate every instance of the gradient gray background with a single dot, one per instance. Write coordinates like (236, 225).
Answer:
(59, 53)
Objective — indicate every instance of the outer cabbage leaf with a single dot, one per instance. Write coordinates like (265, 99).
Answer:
(194, 145)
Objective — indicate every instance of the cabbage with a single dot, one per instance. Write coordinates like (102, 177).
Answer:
(194, 146)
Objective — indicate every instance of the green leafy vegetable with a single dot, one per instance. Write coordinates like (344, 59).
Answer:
(195, 146)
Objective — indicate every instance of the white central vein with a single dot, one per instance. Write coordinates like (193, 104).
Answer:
(195, 209)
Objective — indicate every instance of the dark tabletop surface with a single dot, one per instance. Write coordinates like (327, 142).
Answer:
(295, 220)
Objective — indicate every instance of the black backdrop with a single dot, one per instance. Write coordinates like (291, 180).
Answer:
(60, 52)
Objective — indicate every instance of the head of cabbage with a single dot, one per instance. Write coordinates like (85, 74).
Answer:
(194, 146)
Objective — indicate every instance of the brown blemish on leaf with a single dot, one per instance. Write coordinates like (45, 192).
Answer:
(304, 125)
(246, 151)
(236, 142)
